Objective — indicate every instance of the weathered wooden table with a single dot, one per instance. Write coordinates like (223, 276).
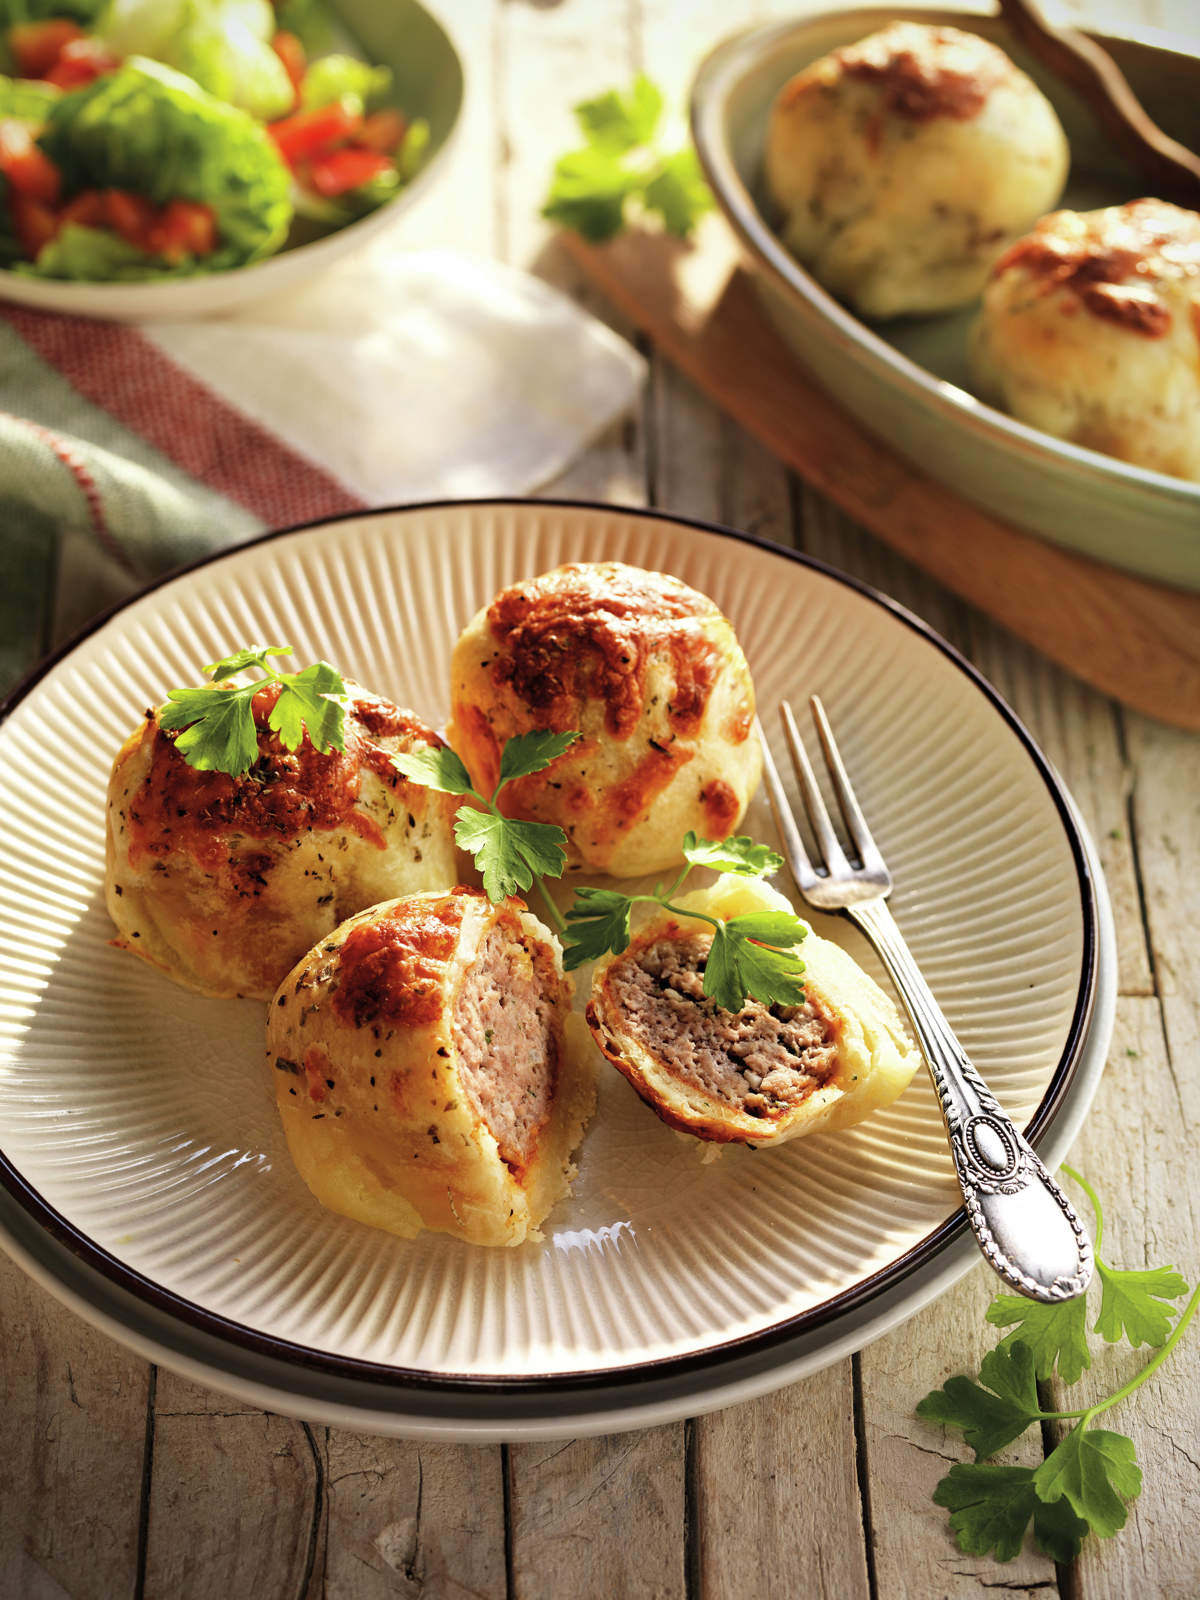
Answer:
(120, 1480)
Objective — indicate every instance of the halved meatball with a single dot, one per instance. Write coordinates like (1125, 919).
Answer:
(425, 1071)
(759, 1075)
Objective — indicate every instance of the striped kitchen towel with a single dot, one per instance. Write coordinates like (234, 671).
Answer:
(127, 451)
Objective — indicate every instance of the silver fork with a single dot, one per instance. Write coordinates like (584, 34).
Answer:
(1023, 1223)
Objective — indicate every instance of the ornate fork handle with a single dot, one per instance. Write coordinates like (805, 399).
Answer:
(1024, 1223)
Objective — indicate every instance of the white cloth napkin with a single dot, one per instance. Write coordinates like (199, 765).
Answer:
(413, 375)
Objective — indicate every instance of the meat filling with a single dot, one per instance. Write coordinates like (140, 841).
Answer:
(507, 1037)
(762, 1059)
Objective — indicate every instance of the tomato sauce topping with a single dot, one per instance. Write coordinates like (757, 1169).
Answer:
(1114, 262)
(285, 793)
(392, 969)
(925, 72)
(720, 808)
(589, 632)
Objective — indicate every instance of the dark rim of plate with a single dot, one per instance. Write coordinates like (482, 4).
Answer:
(433, 1394)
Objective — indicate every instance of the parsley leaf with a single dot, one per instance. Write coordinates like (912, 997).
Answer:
(737, 854)
(620, 161)
(254, 655)
(509, 854)
(990, 1417)
(1136, 1304)
(219, 734)
(532, 752)
(991, 1507)
(216, 727)
(1096, 1472)
(678, 193)
(1057, 1333)
(616, 121)
(307, 701)
(739, 965)
(434, 769)
(598, 922)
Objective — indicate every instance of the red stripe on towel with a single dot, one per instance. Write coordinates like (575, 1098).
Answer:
(118, 369)
(65, 453)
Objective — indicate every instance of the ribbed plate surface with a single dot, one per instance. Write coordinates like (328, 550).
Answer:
(184, 1177)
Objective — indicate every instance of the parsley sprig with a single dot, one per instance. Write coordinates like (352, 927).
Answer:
(621, 161)
(752, 955)
(1084, 1483)
(218, 731)
(512, 855)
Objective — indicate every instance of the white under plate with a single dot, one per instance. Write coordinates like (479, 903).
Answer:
(164, 1205)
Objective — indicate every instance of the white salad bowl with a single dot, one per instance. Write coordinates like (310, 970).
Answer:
(427, 82)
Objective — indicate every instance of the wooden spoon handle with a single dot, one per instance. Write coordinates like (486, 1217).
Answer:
(1091, 71)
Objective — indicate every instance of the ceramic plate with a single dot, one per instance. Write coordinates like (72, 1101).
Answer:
(166, 1202)
(427, 81)
(906, 378)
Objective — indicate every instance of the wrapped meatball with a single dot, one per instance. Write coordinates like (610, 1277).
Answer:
(423, 1070)
(901, 166)
(652, 676)
(765, 1073)
(1090, 330)
(223, 883)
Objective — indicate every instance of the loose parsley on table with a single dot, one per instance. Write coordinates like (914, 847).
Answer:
(1084, 1483)
(621, 161)
(218, 732)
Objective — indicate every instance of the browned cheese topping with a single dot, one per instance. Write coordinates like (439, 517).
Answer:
(1115, 263)
(392, 969)
(763, 1060)
(924, 72)
(285, 792)
(588, 632)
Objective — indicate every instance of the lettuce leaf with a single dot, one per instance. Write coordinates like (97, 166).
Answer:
(339, 77)
(13, 12)
(225, 45)
(93, 255)
(27, 99)
(151, 130)
(309, 20)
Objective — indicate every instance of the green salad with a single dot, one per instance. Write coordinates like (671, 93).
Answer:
(151, 139)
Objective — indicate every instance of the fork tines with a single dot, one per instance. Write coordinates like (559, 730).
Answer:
(841, 880)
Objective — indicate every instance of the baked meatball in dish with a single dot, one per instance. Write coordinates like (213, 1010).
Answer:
(901, 166)
(650, 674)
(223, 883)
(423, 1068)
(763, 1074)
(1090, 330)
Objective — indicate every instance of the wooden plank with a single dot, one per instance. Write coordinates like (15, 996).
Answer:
(72, 1438)
(778, 1509)
(1082, 733)
(1137, 640)
(408, 1519)
(237, 1500)
(1166, 812)
(905, 1457)
(598, 1517)
(1135, 1148)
